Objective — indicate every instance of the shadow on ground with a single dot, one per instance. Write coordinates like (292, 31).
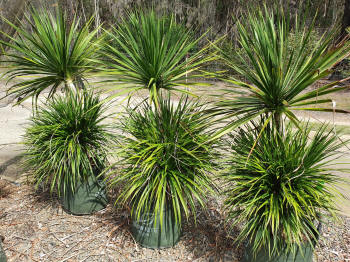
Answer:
(5, 189)
(210, 238)
(9, 162)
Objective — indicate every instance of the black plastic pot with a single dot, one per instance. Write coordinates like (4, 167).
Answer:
(303, 254)
(151, 235)
(89, 197)
(2, 253)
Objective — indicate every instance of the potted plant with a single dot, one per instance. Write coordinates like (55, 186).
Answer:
(280, 190)
(162, 158)
(66, 147)
(164, 168)
(59, 55)
(278, 182)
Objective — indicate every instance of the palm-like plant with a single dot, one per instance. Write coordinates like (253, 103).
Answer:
(277, 73)
(155, 53)
(51, 52)
(164, 160)
(280, 191)
(66, 141)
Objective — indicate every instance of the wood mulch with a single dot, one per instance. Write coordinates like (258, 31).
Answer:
(37, 229)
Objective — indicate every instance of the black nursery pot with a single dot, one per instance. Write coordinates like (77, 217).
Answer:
(2, 253)
(149, 235)
(302, 254)
(88, 198)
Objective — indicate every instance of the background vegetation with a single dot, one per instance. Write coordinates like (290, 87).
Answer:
(218, 15)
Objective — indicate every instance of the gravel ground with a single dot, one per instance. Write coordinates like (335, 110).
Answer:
(36, 229)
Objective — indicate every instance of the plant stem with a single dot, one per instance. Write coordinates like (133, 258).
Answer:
(277, 119)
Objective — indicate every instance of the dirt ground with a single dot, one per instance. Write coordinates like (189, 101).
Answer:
(37, 229)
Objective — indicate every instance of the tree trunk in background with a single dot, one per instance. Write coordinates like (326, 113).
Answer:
(97, 15)
(14, 13)
(68, 7)
(346, 19)
(219, 16)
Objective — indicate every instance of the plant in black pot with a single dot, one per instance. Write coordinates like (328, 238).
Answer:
(165, 167)
(162, 157)
(67, 143)
(279, 185)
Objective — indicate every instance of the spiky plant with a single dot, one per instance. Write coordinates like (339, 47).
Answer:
(163, 159)
(280, 190)
(155, 53)
(67, 142)
(49, 53)
(278, 69)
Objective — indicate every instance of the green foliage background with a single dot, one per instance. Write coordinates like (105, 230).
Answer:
(218, 15)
